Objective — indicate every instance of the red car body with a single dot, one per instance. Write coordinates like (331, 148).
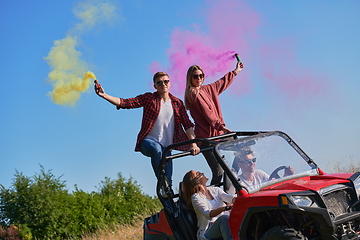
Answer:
(307, 204)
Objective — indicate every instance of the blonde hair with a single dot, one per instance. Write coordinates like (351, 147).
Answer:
(190, 185)
(191, 92)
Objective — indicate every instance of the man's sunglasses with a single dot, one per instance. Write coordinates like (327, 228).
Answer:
(159, 83)
(198, 76)
(250, 161)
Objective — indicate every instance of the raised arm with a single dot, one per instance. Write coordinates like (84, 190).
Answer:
(99, 90)
(239, 67)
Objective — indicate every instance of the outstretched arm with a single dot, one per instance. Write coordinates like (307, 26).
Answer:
(239, 67)
(101, 93)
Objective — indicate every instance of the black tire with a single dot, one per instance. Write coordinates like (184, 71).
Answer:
(282, 233)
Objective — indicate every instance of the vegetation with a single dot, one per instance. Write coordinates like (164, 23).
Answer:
(345, 166)
(120, 232)
(40, 207)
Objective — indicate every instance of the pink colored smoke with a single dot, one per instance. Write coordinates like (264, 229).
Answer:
(234, 26)
(213, 51)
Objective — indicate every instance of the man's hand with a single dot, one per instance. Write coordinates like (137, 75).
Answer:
(99, 90)
(194, 149)
(289, 171)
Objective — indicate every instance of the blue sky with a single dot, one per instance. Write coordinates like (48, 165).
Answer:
(301, 76)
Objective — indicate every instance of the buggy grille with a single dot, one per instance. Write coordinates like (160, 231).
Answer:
(337, 202)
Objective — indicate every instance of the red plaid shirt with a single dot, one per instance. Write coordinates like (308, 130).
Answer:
(151, 102)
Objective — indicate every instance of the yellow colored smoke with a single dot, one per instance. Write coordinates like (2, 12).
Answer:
(69, 75)
(93, 13)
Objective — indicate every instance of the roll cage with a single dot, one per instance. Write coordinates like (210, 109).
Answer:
(164, 189)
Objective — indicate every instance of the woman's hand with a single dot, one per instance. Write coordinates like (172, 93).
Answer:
(217, 211)
(239, 67)
(226, 130)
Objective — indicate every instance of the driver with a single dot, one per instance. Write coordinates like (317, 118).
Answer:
(250, 176)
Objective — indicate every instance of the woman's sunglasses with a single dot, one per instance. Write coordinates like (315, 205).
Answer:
(198, 76)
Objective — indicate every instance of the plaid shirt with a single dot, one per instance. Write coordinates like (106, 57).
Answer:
(151, 102)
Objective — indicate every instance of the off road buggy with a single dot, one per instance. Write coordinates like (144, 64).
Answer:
(309, 204)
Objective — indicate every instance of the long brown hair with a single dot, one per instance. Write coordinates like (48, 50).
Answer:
(191, 92)
(190, 185)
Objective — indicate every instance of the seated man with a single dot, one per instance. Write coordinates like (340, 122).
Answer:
(251, 177)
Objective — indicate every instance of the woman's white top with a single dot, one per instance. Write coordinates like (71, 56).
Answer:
(203, 206)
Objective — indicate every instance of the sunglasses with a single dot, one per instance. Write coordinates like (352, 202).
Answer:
(159, 83)
(250, 161)
(198, 76)
(199, 175)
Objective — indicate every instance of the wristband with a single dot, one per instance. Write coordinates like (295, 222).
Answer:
(227, 208)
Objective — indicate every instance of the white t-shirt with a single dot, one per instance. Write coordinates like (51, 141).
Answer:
(163, 130)
(259, 177)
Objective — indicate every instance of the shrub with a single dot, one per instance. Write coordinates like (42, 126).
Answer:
(44, 209)
(10, 233)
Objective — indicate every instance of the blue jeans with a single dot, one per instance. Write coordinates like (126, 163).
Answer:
(219, 229)
(154, 150)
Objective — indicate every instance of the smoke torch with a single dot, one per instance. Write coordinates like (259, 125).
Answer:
(238, 58)
(97, 84)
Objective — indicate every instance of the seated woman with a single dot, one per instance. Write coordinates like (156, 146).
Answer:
(209, 206)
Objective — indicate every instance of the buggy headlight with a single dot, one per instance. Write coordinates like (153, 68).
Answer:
(304, 201)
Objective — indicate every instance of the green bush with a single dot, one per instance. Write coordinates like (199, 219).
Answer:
(43, 208)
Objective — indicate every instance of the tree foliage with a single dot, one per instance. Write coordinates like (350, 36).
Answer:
(42, 207)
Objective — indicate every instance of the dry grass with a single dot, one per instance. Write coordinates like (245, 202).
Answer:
(347, 165)
(119, 233)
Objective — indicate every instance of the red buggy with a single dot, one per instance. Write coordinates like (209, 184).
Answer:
(309, 204)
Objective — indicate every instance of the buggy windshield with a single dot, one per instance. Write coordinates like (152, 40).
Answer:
(264, 159)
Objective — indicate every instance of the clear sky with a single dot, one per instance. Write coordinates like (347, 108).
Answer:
(301, 76)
